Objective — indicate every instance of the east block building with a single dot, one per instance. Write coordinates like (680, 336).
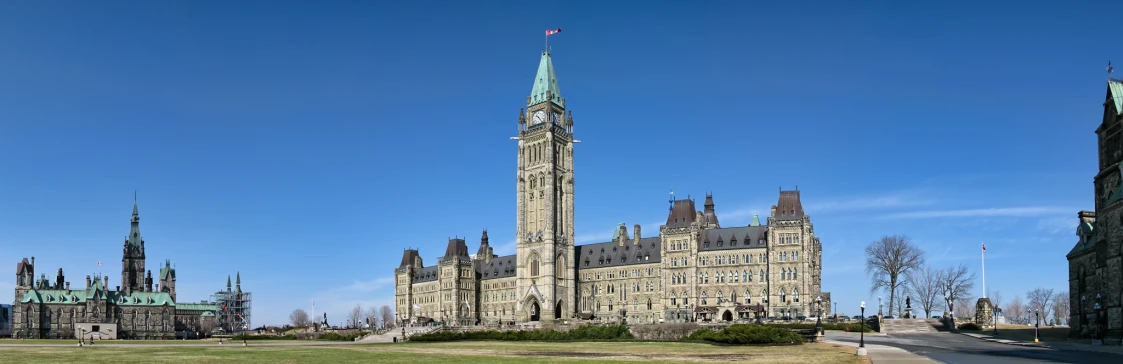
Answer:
(1095, 264)
(690, 268)
(134, 310)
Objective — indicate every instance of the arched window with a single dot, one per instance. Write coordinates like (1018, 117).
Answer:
(748, 297)
(674, 298)
(783, 295)
(762, 275)
(795, 295)
(795, 273)
(703, 298)
(534, 267)
(685, 299)
(649, 303)
(746, 277)
(720, 297)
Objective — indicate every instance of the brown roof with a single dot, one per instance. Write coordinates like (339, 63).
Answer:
(682, 214)
(456, 248)
(408, 257)
(789, 207)
(23, 266)
(709, 214)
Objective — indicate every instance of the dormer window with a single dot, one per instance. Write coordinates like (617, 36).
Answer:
(706, 244)
(733, 242)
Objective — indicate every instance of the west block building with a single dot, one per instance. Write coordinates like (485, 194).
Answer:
(690, 268)
(142, 307)
(1095, 264)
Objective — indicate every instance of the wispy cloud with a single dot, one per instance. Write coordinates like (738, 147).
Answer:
(1057, 225)
(1030, 211)
(906, 198)
(368, 286)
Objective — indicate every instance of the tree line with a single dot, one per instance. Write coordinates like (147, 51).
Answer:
(376, 317)
(897, 266)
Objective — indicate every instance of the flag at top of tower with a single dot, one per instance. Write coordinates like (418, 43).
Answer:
(552, 32)
(984, 246)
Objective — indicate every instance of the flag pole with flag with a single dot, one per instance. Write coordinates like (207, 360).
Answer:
(548, 34)
(984, 269)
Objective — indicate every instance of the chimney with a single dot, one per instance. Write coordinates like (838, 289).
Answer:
(32, 261)
(87, 281)
(621, 234)
(106, 282)
(67, 287)
(637, 236)
(118, 288)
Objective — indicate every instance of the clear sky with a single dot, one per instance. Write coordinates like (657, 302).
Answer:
(306, 145)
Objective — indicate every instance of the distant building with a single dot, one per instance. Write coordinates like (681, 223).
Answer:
(140, 309)
(1096, 262)
(691, 268)
(5, 320)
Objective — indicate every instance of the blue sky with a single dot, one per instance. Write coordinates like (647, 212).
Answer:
(307, 145)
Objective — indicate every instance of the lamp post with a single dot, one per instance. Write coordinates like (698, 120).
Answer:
(862, 338)
(879, 307)
(836, 310)
(819, 319)
(1037, 316)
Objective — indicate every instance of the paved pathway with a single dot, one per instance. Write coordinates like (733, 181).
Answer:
(955, 348)
(887, 354)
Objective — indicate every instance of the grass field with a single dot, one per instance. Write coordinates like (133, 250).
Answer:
(457, 352)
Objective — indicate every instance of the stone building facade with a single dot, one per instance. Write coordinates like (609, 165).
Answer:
(1096, 261)
(141, 308)
(690, 268)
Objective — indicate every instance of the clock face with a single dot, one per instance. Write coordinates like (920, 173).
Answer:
(539, 117)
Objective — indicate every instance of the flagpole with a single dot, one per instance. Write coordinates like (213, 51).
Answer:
(984, 270)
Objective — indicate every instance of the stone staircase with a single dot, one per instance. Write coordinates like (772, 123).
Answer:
(388, 337)
(906, 326)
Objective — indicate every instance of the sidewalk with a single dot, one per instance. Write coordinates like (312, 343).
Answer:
(887, 354)
(1068, 345)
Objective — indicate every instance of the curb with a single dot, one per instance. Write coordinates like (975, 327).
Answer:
(1004, 341)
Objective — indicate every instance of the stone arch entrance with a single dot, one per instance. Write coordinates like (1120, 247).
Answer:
(558, 311)
(727, 316)
(534, 311)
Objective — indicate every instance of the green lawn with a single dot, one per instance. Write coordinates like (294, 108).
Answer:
(451, 352)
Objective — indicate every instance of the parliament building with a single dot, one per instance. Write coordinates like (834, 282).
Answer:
(689, 269)
(141, 307)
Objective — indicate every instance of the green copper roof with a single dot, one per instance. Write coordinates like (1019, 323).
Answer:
(167, 272)
(134, 233)
(143, 299)
(616, 235)
(196, 306)
(54, 296)
(756, 221)
(1115, 87)
(545, 80)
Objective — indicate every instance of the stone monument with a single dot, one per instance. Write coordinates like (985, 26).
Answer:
(984, 313)
(908, 307)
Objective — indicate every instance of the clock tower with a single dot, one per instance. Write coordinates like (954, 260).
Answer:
(544, 184)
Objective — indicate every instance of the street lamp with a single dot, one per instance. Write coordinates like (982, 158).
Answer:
(819, 319)
(862, 338)
(1036, 316)
(879, 307)
(995, 314)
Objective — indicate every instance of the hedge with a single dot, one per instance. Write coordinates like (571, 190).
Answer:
(327, 336)
(619, 332)
(970, 326)
(741, 334)
(855, 327)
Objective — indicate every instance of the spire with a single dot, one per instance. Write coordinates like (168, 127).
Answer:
(134, 239)
(483, 239)
(238, 287)
(545, 81)
(227, 283)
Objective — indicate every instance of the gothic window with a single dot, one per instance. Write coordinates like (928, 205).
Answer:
(783, 295)
(673, 299)
(746, 277)
(795, 273)
(649, 304)
(795, 295)
(748, 297)
(534, 267)
(762, 275)
(685, 299)
(720, 297)
(703, 298)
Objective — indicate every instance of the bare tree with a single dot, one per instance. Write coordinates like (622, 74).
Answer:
(925, 285)
(387, 316)
(995, 298)
(957, 283)
(889, 260)
(298, 318)
(371, 317)
(899, 301)
(1060, 308)
(965, 307)
(1015, 311)
(1039, 299)
(355, 317)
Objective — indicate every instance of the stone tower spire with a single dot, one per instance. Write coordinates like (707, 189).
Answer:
(132, 259)
(227, 283)
(238, 283)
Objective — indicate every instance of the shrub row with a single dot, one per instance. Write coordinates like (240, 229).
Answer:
(970, 326)
(854, 327)
(619, 332)
(328, 336)
(263, 337)
(664, 331)
(748, 334)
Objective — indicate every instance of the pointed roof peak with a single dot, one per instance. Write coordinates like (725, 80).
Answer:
(756, 221)
(545, 81)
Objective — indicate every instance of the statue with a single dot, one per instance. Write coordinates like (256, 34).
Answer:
(908, 302)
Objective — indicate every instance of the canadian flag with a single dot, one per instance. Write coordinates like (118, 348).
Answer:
(984, 246)
(552, 32)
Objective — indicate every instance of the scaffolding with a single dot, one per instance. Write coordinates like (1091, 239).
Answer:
(234, 311)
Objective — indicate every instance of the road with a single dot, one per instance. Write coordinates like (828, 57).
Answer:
(954, 348)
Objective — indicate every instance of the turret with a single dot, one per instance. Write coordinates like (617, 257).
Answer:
(227, 283)
(238, 282)
(147, 281)
(59, 279)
